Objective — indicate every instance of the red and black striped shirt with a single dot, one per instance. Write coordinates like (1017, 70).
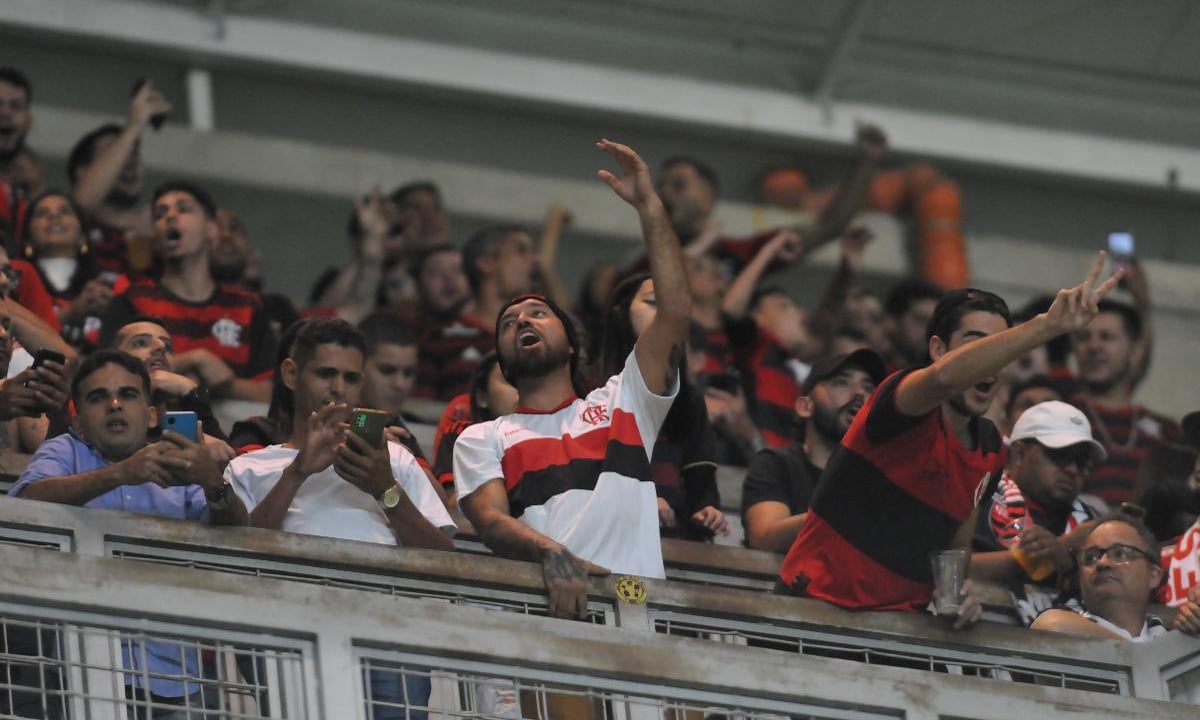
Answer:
(1128, 433)
(898, 488)
(448, 353)
(230, 324)
(773, 390)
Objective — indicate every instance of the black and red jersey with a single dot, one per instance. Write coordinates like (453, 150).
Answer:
(897, 489)
(773, 389)
(448, 353)
(230, 324)
(1128, 433)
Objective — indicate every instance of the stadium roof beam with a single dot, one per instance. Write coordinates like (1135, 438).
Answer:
(185, 33)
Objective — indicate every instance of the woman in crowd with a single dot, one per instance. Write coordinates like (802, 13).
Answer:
(685, 472)
(56, 245)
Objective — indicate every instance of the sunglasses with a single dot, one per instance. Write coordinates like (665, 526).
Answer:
(1078, 455)
(1118, 554)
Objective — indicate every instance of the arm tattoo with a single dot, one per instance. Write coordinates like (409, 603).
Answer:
(562, 566)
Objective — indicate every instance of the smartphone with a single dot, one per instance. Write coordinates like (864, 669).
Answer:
(184, 422)
(1121, 247)
(368, 424)
(157, 120)
(44, 356)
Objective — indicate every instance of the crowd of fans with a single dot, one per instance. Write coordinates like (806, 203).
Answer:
(874, 429)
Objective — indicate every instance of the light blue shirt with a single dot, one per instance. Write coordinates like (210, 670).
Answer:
(68, 454)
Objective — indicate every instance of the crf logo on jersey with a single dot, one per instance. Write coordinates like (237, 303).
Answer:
(595, 414)
(227, 332)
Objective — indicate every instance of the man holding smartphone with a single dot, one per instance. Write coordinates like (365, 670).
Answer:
(105, 462)
(326, 480)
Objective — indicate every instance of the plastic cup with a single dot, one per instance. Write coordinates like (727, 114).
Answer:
(949, 574)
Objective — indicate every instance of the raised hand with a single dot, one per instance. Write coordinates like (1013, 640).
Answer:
(18, 398)
(372, 213)
(854, 242)
(146, 103)
(786, 246)
(1074, 308)
(871, 141)
(635, 185)
(145, 466)
(325, 431)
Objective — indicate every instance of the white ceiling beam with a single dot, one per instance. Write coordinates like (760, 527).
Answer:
(186, 34)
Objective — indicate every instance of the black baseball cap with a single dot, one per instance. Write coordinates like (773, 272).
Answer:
(829, 365)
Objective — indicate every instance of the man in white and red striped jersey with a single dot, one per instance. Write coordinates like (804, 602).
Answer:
(566, 480)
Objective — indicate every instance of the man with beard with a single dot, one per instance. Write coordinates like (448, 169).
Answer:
(1107, 352)
(105, 170)
(1034, 523)
(234, 261)
(1181, 557)
(566, 481)
(780, 482)
(918, 460)
(220, 332)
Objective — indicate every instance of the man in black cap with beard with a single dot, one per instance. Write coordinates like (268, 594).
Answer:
(566, 481)
(780, 482)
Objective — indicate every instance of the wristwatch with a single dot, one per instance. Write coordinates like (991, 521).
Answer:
(390, 498)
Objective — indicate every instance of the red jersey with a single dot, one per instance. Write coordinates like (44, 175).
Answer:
(1128, 433)
(898, 488)
(448, 353)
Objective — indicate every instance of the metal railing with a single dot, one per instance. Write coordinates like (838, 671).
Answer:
(235, 592)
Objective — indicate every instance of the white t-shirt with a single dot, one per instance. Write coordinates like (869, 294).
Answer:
(330, 506)
(579, 474)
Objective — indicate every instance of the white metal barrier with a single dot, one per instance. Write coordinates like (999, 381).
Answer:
(296, 626)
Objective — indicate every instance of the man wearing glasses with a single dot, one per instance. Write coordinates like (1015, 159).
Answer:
(1118, 569)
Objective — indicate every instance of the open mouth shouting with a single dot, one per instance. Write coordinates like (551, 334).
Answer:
(527, 338)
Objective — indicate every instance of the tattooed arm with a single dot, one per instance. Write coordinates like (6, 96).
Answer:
(660, 347)
(566, 575)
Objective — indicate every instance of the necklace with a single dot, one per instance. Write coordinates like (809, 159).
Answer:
(1101, 428)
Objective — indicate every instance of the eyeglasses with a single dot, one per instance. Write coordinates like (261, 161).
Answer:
(1078, 455)
(1118, 554)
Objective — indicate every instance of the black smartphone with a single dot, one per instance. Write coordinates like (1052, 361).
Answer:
(44, 356)
(368, 424)
(157, 120)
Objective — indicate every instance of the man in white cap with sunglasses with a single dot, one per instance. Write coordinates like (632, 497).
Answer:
(1035, 522)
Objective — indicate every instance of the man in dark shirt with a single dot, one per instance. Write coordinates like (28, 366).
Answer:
(919, 458)
(780, 482)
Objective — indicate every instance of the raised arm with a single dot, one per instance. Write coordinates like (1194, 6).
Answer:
(97, 180)
(785, 246)
(33, 333)
(660, 348)
(922, 390)
(871, 144)
(558, 217)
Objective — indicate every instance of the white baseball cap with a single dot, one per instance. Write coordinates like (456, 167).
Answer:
(1057, 424)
